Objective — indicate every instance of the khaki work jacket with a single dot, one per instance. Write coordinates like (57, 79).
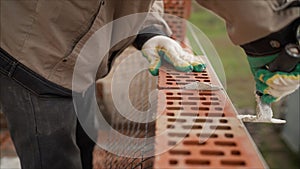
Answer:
(47, 36)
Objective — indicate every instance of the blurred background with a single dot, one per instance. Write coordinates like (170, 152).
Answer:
(279, 144)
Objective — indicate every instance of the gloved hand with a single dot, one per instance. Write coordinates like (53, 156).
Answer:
(273, 85)
(173, 53)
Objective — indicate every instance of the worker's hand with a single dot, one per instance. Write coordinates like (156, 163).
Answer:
(276, 85)
(173, 53)
(273, 85)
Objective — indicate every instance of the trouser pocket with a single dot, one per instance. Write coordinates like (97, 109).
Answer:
(43, 129)
(29, 79)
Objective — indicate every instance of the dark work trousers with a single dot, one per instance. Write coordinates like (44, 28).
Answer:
(45, 130)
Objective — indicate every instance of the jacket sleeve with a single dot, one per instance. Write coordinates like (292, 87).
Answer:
(250, 20)
(154, 25)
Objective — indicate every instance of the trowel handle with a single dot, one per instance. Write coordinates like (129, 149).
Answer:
(258, 93)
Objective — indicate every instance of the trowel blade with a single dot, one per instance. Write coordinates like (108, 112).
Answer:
(255, 119)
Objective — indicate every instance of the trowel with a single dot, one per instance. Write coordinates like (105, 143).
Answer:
(264, 114)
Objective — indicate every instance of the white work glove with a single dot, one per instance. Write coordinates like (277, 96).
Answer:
(275, 85)
(173, 53)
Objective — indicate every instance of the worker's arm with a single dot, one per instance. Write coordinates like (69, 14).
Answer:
(276, 71)
(155, 42)
(264, 29)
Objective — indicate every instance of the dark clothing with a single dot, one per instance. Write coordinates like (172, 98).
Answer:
(44, 130)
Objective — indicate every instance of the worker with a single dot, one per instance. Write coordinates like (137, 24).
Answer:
(269, 33)
(40, 41)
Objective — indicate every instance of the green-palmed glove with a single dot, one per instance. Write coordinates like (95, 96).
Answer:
(273, 85)
(173, 53)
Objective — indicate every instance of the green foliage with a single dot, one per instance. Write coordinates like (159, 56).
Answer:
(240, 83)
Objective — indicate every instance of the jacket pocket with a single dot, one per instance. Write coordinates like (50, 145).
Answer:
(75, 19)
(280, 5)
